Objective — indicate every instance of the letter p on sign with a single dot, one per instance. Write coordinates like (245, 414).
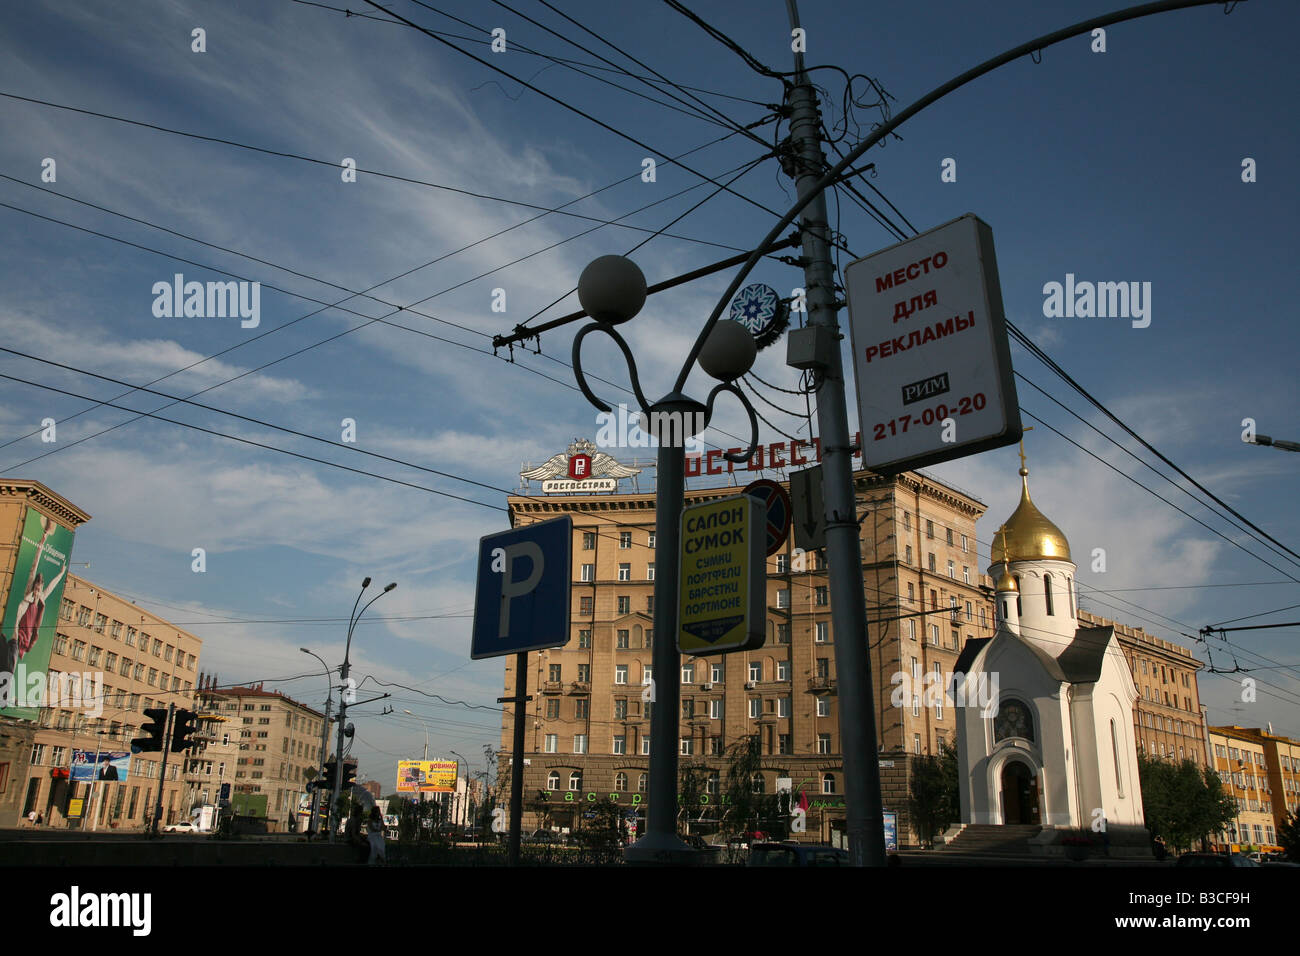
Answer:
(522, 598)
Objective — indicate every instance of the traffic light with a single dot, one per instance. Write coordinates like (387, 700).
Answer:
(326, 780)
(184, 725)
(349, 776)
(152, 742)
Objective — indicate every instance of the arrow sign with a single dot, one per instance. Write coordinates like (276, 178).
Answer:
(809, 508)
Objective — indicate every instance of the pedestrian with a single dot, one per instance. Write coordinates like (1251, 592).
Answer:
(355, 839)
(378, 848)
(40, 818)
(31, 817)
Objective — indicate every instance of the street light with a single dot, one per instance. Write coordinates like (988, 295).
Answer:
(426, 744)
(343, 695)
(324, 739)
(612, 290)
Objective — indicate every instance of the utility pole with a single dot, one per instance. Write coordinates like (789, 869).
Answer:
(162, 772)
(843, 551)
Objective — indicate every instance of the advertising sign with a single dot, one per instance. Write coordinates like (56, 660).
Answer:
(930, 357)
(30, 612)
(722, 581)
(891, 830)
(426, 776)
(111, 765)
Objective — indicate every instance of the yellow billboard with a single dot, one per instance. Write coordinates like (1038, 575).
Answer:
(426, 776)
(722, 583)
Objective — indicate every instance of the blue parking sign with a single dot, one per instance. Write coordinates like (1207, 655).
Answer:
(522, 600)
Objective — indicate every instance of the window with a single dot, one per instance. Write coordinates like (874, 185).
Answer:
(934, 634)
(645, 749)
(757, 783)
(933, 566)
(552, 781)
(620, 778)
(783, 706)
(823, 707)
(624, 604)
(953, 613)
(584, 673)
(588, 541)
(828, 783)
(783, 744)
(101, 622)
(823, 743)
(782, 670)
(929, 529)
(952, 571)
(60, 644)
(823, 631)
(584, 639)
(688, 708)
(110, 661)
(153, 676)
(575, 780)
(823, 595)
(916, 743)
(625, 572)
(755, 671)
(622, 639)
(624, 540)
(688, 673)
(907, 554)
(782, 563)
(715, 709)
(554, 673)
(650, 605)
(588, 572)
(586, 604)
(715, 750)
(620, 747)
(783, 633)
(783, 597)
(78, 650)
(970, 615)
(963, 544)
(581, 708)
(949, 537)
(1047, 592)
(620, 707)
(620, 673)
(579, 743)
(956, 639)
(823, 667)
(715, 673)
(938, 682)
(167, 653)
(651, 542)
(755, 707)
(650, 576)
(687, 746)
(965, 573)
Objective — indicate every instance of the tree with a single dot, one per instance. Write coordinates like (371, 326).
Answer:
(934, 798)
(749, 810)
(692, 783)
(1183, 802)
(1288, 836)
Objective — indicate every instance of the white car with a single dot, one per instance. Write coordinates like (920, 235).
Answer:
(180, 828)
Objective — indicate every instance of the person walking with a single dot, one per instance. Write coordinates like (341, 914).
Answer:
(378, 848)
(31, 818)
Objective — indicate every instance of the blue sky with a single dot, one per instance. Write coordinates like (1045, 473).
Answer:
(1116, 166)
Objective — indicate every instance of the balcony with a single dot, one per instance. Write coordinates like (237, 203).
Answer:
(553, 687)
(821, 684)
(580, 687)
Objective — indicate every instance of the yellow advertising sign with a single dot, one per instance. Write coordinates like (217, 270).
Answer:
(722, 578)
(74, 807)
(426, 776)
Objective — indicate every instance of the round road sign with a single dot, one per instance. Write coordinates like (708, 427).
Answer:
(776, 504)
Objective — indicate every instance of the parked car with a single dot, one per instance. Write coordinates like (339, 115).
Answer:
(796, 854)
(1215, 860)
(544, 836)
(180, 828)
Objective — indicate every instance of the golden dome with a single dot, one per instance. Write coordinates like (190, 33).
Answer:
(1027, 535)
(1006, 582)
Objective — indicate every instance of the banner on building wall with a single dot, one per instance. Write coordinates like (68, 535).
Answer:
(426, 776)
(104, 765)
(31, 612)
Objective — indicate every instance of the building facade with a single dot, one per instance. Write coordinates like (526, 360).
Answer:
(588, 731)
(1260, 770)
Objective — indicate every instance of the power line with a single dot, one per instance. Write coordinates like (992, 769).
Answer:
(568, 106)
(725, 40)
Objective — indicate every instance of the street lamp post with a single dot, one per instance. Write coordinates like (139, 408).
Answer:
(456, 785)
(426, 743)
(324, 740)
(343, 697)
(612, 290)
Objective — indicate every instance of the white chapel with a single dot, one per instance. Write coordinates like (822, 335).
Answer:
(1055, 746)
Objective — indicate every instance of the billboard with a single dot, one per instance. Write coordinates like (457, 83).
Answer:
(89, 765)
(426, 776)
(31, 611)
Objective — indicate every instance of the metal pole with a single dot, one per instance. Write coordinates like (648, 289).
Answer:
(313, 820)
(94, 780)
(865, 822)
(517, 761)
(162, 773)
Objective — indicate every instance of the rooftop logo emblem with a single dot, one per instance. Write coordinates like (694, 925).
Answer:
(581, 467)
